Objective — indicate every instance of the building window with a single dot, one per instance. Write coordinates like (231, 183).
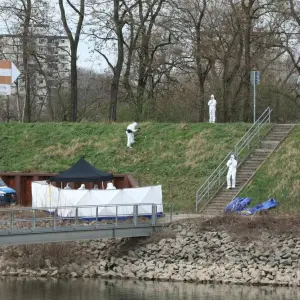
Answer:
(62, 41)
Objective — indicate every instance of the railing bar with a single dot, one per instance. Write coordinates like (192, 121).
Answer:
(97, 215)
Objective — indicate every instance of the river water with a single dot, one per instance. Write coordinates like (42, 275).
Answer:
(99, 289)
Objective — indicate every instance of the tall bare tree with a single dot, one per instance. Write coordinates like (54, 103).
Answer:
(73, 40)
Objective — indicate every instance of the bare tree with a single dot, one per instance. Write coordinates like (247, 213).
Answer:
(73, 40)
(107, 29)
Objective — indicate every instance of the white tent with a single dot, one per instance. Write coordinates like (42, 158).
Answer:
(109, 202)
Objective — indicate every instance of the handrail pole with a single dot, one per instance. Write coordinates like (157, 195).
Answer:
(76, 216)
(33, 220)
(11, 220)
(97, 215)
(54, 219)
(135, 213)
(116, 223)
(154, 212)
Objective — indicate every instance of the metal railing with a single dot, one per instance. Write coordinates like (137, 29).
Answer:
(241, 151)
(16, 220)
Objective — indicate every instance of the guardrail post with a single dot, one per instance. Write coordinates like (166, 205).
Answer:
(171, 214)
(116, 223)
(54, 219)
(76, 216)
(11, 220)
(97, 215)
(154, 214)
(269, 117)
(135, 214)
(33, 220)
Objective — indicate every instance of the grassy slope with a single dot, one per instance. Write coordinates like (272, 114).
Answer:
(178, 156)
(279, 177)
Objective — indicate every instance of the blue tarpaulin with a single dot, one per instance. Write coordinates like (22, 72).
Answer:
(271, 203)
(239, 205)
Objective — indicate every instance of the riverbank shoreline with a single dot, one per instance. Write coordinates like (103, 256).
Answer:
(224, 250)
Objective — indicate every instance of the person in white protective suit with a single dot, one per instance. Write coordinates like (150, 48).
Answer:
(110, 186)
(67, 187)
(82, 187)
(212, 104)
(131, 129)
(232, 165)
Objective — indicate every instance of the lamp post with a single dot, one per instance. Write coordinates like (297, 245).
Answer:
(255, 78)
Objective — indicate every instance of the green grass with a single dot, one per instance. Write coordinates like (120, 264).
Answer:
(279, 177)
(178, 156)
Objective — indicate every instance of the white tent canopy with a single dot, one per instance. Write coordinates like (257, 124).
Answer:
(107, 201)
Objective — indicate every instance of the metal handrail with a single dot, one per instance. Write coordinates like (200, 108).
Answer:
(217, 177)
(23, 219)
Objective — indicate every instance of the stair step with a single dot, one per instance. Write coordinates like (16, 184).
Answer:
(246, 172)
(261, 155)
(218, 209)
(225, 201)
(275, 135)
(249, 166)
(252, 163)
(220, 201)
(257, 159)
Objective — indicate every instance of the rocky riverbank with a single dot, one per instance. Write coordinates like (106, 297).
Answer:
(183, 251)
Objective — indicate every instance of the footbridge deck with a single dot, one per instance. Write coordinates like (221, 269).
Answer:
(19, 225)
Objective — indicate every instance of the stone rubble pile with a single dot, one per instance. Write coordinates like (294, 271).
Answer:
(193, 256)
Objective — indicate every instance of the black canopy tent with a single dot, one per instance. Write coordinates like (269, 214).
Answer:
(82, 171)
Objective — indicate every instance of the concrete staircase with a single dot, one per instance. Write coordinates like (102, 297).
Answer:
(246, 171)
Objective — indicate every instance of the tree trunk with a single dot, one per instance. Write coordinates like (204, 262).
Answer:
(114, 98)
(200, 72)
(142, 74)
(119, 65)
(247, 88)
(73, 45)
(225, 100)
(27, 105)
(74, 93)
(201, 99)
(246, 109)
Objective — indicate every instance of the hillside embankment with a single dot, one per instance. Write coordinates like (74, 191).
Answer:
(178, 156)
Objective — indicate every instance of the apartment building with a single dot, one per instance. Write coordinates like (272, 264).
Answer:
(48, 60)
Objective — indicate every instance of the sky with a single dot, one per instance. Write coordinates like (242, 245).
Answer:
(86, 59)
